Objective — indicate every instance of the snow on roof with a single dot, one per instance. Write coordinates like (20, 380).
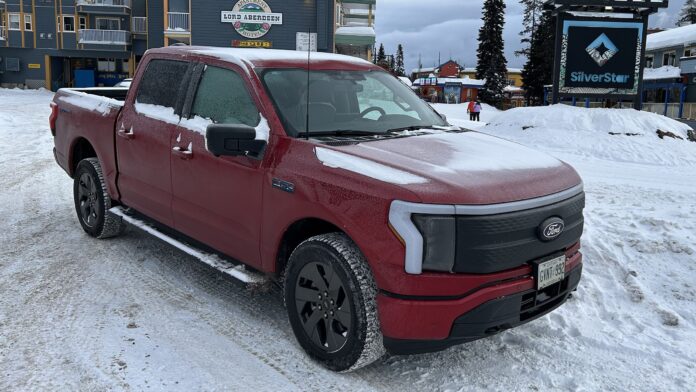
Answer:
(361, 31)
(510, 70)
(679, 36)
(666, 72)
(462, 81)
(513, 89)
(421, 70)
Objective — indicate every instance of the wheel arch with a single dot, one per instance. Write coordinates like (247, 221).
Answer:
(81, 149)
(298, 232)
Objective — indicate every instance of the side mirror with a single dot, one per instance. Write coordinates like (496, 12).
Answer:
(443, 117)
(233, 140)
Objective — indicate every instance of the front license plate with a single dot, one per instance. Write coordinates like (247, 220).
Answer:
(550, 272)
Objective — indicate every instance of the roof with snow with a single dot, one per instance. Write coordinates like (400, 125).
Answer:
(423, 70)
(362, 31)
(462, 81)
(680, 36)
(666, 72)
(510, 70)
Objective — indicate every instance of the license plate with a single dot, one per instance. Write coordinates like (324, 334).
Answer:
(550, 272)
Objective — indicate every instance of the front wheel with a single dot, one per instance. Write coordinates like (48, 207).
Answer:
(92, 201)
(330, 296)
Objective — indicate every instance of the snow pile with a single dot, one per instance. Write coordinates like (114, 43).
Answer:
(457, 115)
(680, 36)
(666, 72)
(623, 135)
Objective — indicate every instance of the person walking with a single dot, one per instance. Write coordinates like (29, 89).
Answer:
(434, 96)
(470, 110)
(478, 108)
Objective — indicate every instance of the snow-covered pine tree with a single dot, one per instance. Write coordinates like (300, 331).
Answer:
(531, 17)
(492, 65)
(381, 56)
(688, 13)
(538, 70)
(399, 67)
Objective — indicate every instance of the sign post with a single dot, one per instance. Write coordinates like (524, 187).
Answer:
(600, 48)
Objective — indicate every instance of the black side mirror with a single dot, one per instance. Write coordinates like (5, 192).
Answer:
(233, 140)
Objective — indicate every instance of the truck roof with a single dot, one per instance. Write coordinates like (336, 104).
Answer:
(269, 58)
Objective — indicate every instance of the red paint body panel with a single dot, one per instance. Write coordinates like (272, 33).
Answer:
(230, 205)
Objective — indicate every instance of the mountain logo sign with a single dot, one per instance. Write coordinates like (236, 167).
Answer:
(602, 50)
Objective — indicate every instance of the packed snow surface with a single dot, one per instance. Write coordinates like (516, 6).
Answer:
(136, 314)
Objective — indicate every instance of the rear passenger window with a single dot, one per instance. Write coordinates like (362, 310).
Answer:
(161, 83)
(223, 98)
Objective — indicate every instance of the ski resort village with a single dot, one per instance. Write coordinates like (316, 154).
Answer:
(348, 195)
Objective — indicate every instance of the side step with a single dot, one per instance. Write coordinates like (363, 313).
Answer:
(236, 271)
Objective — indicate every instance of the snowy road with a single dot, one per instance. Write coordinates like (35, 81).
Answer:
(135, 314)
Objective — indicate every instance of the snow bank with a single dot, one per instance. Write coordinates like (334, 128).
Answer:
(680, 36)
(339, 160)
(624, 135)
(666, 72)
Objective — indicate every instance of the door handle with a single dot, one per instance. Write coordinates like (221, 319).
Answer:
(128, 135)
(182, 153)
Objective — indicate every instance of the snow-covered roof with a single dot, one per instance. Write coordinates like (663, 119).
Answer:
(513, 89)
(421, 70)
(680, 36)
(362, 31)
(510, 70)
(463, 81)
(666, 72)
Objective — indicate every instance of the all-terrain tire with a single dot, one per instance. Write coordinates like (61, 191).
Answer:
(312, 265)
(92, 202)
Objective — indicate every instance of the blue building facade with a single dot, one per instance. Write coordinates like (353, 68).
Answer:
(82, 43)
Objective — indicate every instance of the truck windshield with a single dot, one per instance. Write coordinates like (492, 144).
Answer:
(344, 102)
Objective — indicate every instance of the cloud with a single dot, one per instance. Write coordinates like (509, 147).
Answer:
(450, 28)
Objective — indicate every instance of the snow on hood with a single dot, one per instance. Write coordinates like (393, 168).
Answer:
(447, 167)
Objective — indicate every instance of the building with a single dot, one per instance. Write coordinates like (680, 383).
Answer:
(355, 33)
(450, 69)
(82, 43)
(669, 81)
(514, 75)
(448, 90)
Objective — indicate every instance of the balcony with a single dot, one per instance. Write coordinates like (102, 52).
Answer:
(116, 7)
(105, 37)
(139, 25)
(3, 33)
(178, 23)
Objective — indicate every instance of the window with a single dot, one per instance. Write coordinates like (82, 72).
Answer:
(649, 60)
(68, 24)
(104, 65)
(108, 24)
(58, 24)
(162, 82)
(14, 21)
(669, 58)
(83, 23)
(223, 98)
(125, 66)
(27, 22)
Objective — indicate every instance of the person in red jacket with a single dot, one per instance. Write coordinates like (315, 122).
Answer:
(470, 110)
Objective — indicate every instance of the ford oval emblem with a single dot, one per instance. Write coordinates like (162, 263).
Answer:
(551, 229)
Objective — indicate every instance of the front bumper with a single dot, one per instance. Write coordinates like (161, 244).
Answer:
(427, 325)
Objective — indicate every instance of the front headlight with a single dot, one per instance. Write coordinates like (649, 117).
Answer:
(439, 241)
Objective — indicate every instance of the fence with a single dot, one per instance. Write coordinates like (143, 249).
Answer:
(179, 21)
(139, 25)
(107, 37)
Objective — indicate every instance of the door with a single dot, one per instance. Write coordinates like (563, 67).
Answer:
(217, 200)
(143, 139)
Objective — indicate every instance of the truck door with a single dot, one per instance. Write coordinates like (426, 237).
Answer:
(143, 137)
(217, 200)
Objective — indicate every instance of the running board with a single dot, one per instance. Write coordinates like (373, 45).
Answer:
(239, 272)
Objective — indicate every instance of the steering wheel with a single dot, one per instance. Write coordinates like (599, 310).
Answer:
(373, 109)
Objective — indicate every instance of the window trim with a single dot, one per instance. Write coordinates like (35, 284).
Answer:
(649, 59)
(19, 21)
(673, 54)
(64, 30)
(30, 23)
(80, 24)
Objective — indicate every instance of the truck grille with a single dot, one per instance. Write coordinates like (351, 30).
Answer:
(494, 243)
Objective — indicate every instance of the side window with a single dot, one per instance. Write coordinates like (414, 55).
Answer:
(161, 82)
(223, 98)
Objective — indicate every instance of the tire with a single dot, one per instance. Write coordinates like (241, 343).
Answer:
(92, 202)
(340, 329)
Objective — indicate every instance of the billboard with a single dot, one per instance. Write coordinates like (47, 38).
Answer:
(600, 57)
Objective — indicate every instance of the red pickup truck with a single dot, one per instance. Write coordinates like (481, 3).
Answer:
(387, 228)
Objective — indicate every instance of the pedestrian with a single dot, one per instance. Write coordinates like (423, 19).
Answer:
(478, 108)
(470, 110)
(433, 96)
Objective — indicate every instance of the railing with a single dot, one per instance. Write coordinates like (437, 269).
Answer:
(139, 25)
(179, 21)
(104, 37)
(3, 32)
(672, 109)
(108, 3)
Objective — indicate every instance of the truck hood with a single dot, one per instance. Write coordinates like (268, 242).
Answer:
(455, 168)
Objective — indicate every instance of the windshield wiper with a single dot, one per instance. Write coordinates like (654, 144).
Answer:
(411, 128)
(346, 132)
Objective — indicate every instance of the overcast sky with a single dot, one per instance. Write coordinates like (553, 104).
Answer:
(450, 28)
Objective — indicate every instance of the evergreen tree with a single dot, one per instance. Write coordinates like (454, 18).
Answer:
(381, 56)
(492, 65)
(399, 67)
(531, 17)
(538, 70)
(688, 13)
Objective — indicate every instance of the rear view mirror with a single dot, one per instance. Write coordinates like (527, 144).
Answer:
(233, 140)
